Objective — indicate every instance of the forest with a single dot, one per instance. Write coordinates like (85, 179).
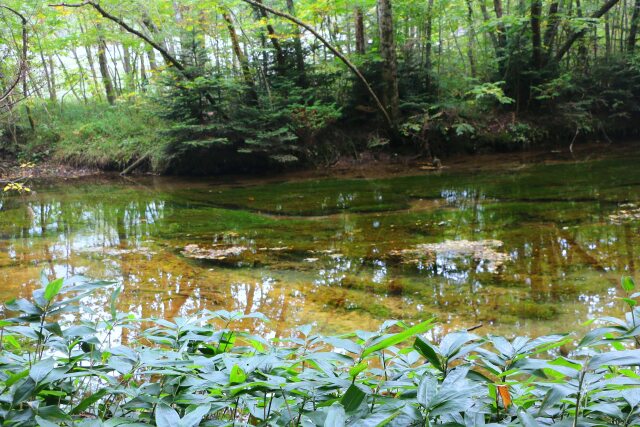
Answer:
(205, 87)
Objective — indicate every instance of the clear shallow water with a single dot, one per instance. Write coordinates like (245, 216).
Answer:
(531, 251)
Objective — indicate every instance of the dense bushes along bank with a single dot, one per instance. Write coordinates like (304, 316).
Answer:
(203, 371)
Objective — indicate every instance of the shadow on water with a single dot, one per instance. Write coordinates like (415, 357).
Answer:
(531, 251)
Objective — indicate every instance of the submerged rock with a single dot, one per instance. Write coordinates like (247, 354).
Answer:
(214, 253)
(627, 212)
(480, 250)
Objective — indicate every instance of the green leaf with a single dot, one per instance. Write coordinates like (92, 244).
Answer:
(353, 398)
(526, 419)
(237, 375)
(53, 289)
(336, 416)
(429, 353)
(44, 423)
(420, 328)
(87, 402)
(195, 416)
(166, 416)
(353, 372)
(24, 391)
(616, 358)
(628, 284)
(427, 389)
(40, 370)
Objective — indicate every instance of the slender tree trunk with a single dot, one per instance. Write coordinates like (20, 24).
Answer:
(127, 67)
(552, 28)
(297, 47)
(52, 77)
(633, 28)
(536, 37)
(280, 58)
(471, 40)
(391, 97)
(359, 21)
(428, 62)
(83, 82)
(104, 70)
(501, 39)
(607, 36)
(242, 59)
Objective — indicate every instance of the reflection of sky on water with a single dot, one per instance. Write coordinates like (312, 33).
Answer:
(334, 270)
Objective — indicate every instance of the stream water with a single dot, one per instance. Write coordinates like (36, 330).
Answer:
(531, 251)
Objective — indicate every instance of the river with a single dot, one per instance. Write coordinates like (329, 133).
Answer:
(529, 251)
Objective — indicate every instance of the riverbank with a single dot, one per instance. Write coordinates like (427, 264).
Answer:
(367, 165)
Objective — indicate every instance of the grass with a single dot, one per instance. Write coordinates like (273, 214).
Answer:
(95, 135)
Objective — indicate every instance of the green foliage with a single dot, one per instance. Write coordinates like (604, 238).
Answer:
(203, 371)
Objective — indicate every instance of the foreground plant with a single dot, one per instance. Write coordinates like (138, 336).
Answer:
(85, 373)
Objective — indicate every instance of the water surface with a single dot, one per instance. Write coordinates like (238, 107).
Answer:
(529, 251)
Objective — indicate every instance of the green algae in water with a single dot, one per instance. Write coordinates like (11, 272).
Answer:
(323, 250)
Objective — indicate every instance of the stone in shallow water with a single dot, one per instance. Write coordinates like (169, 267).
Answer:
(215, 253)
(481, 250)
(627, 212)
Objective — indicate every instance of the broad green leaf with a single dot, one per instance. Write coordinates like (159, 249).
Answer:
(237, 375)
(166, 416)
(352, 398)
(628, 284)
(53, 289)
(420, 328)
(336, 416)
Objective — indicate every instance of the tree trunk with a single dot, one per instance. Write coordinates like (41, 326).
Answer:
(297, 47)
(552, 27)
(428, 46)
(52, 77)
(390, 97)
(536, 37)
(242, 59)
(471, 40)
(280, 59)
(104, 70)
(501, 40)
(633, 28)
(359, 21)
(562, 51)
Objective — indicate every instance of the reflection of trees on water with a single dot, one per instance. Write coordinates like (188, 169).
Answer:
(127, 236)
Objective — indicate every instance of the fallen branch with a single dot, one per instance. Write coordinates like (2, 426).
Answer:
(134, 165)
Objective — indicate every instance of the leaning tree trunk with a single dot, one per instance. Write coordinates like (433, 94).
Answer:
(390, 96)
(280, 59)
(104, 71)
(242, 59)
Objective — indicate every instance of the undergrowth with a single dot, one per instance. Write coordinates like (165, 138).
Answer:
(58, 370)
(95, 135)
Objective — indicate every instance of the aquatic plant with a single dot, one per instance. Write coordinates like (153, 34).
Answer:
(63, 365)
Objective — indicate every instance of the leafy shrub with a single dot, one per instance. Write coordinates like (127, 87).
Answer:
(202, 371)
